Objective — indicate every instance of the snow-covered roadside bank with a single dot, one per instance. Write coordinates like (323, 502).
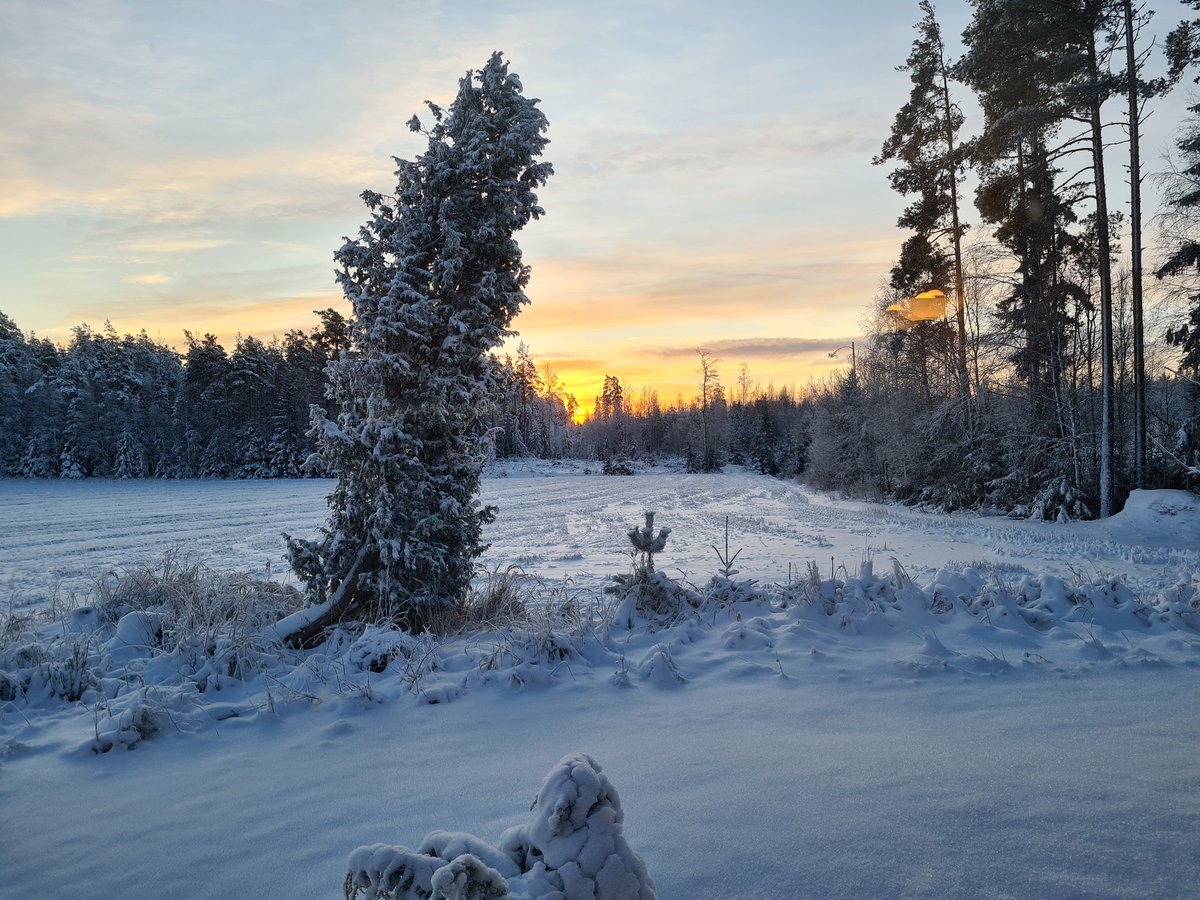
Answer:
(1018, 787)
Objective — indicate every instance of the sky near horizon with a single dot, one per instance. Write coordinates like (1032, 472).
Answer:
(174, 166)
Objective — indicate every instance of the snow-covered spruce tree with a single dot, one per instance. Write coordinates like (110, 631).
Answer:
(435, 278)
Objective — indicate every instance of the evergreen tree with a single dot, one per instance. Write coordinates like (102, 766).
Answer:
(14, 380)
(435, 278)
(1036, 65)
(1182, 216)
(929, 161)
(202, 407)
(1182, 195)
(1137, 90)
(609, 425)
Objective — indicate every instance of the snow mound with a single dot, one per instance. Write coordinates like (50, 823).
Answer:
(1160, 517)
(572, 846)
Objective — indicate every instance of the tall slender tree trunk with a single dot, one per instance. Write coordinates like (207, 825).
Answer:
(1135, 222)
(964, 382)
(1104, 253)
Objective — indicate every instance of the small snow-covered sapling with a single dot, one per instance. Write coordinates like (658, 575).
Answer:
(727, 570)
(646, 542)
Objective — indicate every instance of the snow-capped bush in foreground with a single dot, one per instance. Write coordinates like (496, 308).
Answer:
(571, 847)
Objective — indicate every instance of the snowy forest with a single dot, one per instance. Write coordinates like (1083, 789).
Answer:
(1024, 353)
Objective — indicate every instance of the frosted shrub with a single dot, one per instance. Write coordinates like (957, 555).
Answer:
(571, 845)
(650, 596)
(63, 671)
(658, 668)
(502, 599)
(725, 590)
(175, 621)
(1057, 500)
(466, 878)
(573, 841)
(190, 599)
(376, 647)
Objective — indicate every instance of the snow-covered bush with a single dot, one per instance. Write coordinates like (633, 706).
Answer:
(723, 590)
(572, 845)
(1056, 500)
(646, 596)
(377, 646)
(617, 466)
(658, 668)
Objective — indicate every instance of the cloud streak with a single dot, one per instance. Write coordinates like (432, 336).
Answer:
(147, 278)
(755, 348)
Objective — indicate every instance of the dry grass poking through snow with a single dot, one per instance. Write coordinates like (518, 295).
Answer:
(178, 646)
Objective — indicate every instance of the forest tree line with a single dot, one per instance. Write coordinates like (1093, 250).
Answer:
(126, 406)
(107, 405)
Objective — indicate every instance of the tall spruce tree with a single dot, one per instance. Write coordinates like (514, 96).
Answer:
(1182, 219)
(435, 278)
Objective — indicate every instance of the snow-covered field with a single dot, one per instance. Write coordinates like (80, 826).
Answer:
(1026, 727)
(558, 522)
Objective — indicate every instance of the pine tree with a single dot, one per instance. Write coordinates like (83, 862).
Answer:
(1038, 64)
(1182, 215)
(1182, 195)
(929, 161)
(435, 278)
(1137, 90)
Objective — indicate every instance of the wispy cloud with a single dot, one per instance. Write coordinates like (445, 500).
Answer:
(756, 348)
(147, 278)
(174, 246)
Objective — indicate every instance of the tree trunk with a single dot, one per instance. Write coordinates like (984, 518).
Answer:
(305, 629)
(1105, 273)
(1135, 222)
(964, 382)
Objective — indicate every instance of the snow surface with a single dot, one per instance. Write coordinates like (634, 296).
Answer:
(1018, 719)
(59, 536)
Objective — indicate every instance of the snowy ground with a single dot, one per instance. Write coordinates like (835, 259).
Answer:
(59, 536)
(884, 748)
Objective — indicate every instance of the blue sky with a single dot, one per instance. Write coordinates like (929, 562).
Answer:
(195, 165)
